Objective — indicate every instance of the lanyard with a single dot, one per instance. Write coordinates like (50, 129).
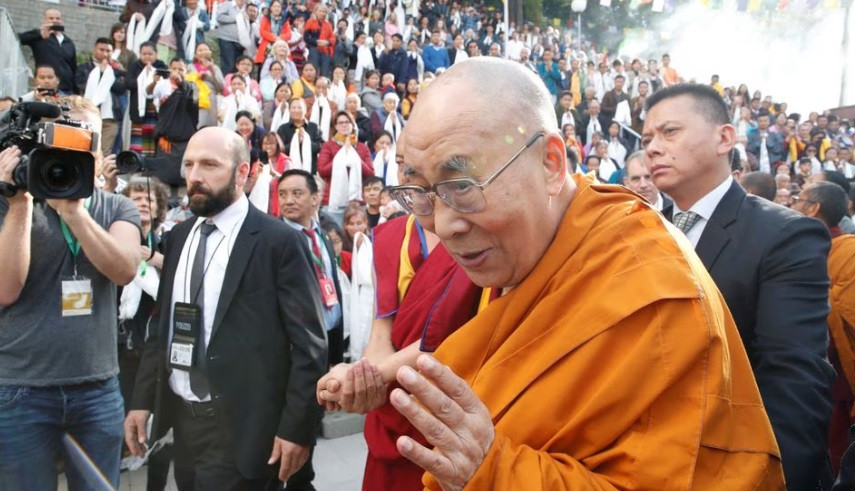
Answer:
(71, 240)
(144, 263)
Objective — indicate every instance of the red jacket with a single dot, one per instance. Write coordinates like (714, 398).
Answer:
(326, 34)
(325, 160)
(268, 38)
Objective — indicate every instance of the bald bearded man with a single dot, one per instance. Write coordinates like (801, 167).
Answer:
(638, 179)
(554, 385)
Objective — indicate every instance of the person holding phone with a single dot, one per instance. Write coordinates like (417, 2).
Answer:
(46, 85)
(52, 47)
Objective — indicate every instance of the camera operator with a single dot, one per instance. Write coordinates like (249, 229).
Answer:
(52, 47)
(46, 86)
(61, 261)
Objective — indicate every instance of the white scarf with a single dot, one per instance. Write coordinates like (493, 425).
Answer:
(364, 61)
(390, 176)
(238, 101)
(129, 302)
(349, 31)
(213, 16)
(393, 126)
(420, 65)
(593, 127)
(301, 155)
(143, 79)
(567, 118)
(338, 94)
(98, 90)
(242, 28)
(346, 182)
(321, 116)
(260, 194)
(461, 55)
(280, 117)
(139, 32)
(361, 295)
(188, 39)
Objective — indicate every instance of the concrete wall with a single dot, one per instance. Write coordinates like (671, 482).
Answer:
(82, 24)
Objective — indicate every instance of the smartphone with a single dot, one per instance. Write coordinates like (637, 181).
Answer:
(262, 156)
(163, 72)
(46, 91)
(57, 28)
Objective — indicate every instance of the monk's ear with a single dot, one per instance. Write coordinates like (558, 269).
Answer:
(554, 163)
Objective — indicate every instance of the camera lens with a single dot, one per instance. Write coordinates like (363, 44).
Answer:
(60, 175)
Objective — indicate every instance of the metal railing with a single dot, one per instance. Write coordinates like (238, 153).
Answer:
(14, 71)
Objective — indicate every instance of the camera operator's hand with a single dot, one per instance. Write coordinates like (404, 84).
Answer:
(67, 208)
(110, 173)
(9, 159)
(135, 431)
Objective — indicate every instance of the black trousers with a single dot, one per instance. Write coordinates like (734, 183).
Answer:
(204, 461)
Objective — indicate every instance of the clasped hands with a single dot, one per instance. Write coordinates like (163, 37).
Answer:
(440, 405)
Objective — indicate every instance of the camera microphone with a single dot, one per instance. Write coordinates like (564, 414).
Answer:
(38, 110)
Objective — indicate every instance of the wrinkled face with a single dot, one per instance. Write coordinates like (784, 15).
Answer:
(245, 126)
(296, 202)
(388, 78)
(639, 180)
(102, 52)
(146, 204)
(46, 78)
(212, 180)
(237, 84)
(602, 148)
(322, 87)
(682, 147)
(594, 108)
(356, 223)
(281, 50)
(782, 197)
(371, 193)
(298, 110)
(390, 104)
(501, 244)
(244, 66)
(203, 52)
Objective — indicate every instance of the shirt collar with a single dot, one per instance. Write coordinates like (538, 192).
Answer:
(705, 206)
(296, 226)
(227, 219)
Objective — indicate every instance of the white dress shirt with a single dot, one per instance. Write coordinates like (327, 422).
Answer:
(660, 202)
(704, 207)
(218, 250)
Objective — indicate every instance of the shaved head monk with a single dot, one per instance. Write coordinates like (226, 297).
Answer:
(610, 360)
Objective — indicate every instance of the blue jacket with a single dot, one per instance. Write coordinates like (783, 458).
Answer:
(435, 57)
(394, 62)
(551, 76)
(774, 145)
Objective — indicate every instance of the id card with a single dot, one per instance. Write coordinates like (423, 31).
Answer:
(328, 291)
(186, 325)
(76, 296)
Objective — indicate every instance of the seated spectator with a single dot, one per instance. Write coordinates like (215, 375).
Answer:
(274, 113)
(273, 27)
(282, 54)
(271, 80)
(251, 133)
(339, 86)
(304, 87)
(353, 105)
(301, 138)
(410, 98)
(140, 81)
(238, 100)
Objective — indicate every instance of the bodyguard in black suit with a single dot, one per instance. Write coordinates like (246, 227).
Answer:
(240, 393)
(769, 263)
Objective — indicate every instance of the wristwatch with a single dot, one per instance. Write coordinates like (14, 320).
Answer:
(8, 190)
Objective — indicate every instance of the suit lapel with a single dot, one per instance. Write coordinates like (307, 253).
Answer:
(178, 237)
(715, 236)
(242, 251)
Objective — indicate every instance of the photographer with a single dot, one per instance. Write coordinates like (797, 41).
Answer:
(52, 47)
(176, 121)
(61, 261)
(46, 85)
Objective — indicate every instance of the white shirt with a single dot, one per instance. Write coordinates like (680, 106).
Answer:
(59, 37)
(659, 202)
(218, 250)
(705, 207)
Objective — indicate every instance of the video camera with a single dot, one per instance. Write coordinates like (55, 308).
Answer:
(56, 161)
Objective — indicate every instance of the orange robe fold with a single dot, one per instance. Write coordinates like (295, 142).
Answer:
(841, 326)
(615, 364)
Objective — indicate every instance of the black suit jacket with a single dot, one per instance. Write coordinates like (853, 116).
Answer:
(267, 348)
(286, 133)
(770, 263)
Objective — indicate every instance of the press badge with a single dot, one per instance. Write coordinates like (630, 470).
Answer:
(76, 296)
(328, 292)
(186, 323)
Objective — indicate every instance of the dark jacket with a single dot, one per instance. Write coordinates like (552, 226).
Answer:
(131, 84)
(267, 348)
(770, 264)
(286, 133)
(394, 62)
(774, 145)
(179, 115)
(62, 57)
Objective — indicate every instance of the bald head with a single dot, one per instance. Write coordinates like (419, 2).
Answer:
(832, 201)
(228, 141)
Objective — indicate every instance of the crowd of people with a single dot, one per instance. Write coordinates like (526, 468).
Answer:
(282, 251)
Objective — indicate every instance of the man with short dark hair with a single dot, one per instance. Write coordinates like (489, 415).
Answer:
(46, 85)
(457, 51)
(240, 344)
(177, 120)
(766, 146)
(101, 80)
(52, 47)
(611, 100)
(394, 61)
(371, 188)
(769, 263)
(760, 184)
(435, 55)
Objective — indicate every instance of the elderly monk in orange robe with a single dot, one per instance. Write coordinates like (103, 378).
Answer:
(610, 361)
(827, 202)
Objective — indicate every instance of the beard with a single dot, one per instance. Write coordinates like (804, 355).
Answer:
(210, 203)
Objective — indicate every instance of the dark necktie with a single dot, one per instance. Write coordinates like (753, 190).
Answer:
(686, 220)
(198, 381)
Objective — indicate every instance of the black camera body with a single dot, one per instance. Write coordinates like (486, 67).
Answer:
(56, 161)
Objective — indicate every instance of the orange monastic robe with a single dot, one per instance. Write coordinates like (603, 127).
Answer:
(841, 322)
(615, 364)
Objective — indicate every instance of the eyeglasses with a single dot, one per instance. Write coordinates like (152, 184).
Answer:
(798, 199)
(342, 123)
(462, 194)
